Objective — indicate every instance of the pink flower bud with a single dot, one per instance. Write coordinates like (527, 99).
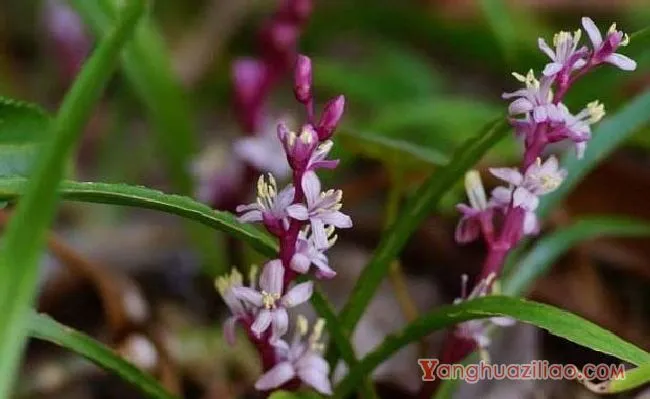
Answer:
(297, 11)
(302, 79)
(331, 116)
(249, 76)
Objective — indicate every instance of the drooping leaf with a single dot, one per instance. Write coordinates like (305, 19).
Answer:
(44, 328)
(556, 321)
(25, 233)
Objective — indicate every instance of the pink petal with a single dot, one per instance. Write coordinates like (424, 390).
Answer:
(271, 279)
(300, 263)
(337, 219)
(298, 212)
(531, 224)
(468, 230)
(249, 295)
(525, 199)
(318, 233)
(229, 327)
(277, 376)
(520, 106)
(541, 43)
(552, 68)
(316, 379)
(593, 31)
(509, 175)
(311, 187)
(621, 61)
(279, 323)
(298, 294)
(262, 322)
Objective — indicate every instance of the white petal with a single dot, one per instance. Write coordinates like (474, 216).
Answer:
(298, 212)
(525, 199)
(539, 114)
(249, 295)
(501, 196)
(300, 263)
(621, 61)
(592, 31)
(580, 149)
(277, 376)
(279, 324)
(262, 322)
(337, 219)
(319, 234)
(552, 68)
(252, 216)
(503, 321)
(272, 277)
(531, 224)
(317, 380)
(520, 106)
(298, 294)
(541, 43)
(311, 187)
(509, 175)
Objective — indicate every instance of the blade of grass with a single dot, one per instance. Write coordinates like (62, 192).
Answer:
(25, 232)
(558, 322)
(45, 328)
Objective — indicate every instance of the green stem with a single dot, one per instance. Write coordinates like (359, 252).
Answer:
(25, 234)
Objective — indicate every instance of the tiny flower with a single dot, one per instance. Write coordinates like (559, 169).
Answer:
(307, 254)
(302, 79)
(524, 190)
(323, 208)
(271, 304)
(270, 207)
(535, 99)
(263, 151)
(300, 359)
(566, 57)
(476, 330)
(332, 114)
(470, 224)
(577, 127)
(298, 147)
(605, 50)
(225, 286)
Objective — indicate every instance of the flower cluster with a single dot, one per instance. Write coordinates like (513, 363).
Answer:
(539, 118)
(304, 218)
(253, 80)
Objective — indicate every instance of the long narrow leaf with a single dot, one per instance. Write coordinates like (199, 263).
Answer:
(45, 328)
(558, 322)
(25, 232)
(424, 200)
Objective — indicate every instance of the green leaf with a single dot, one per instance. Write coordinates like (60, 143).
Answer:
(414, 212)
(633, 379)
(25, 233)
(142, 197)
(556, 321)
(45, 328)
(23, 128)
(392, 151)
(611, 133)
(550, 248)
(501, 22)
(149, 71)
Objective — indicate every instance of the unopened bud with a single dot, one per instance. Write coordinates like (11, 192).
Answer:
(302, 79)
(331, 116)
(248, 75)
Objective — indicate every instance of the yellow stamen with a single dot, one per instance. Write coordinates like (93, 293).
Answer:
(302, 326)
